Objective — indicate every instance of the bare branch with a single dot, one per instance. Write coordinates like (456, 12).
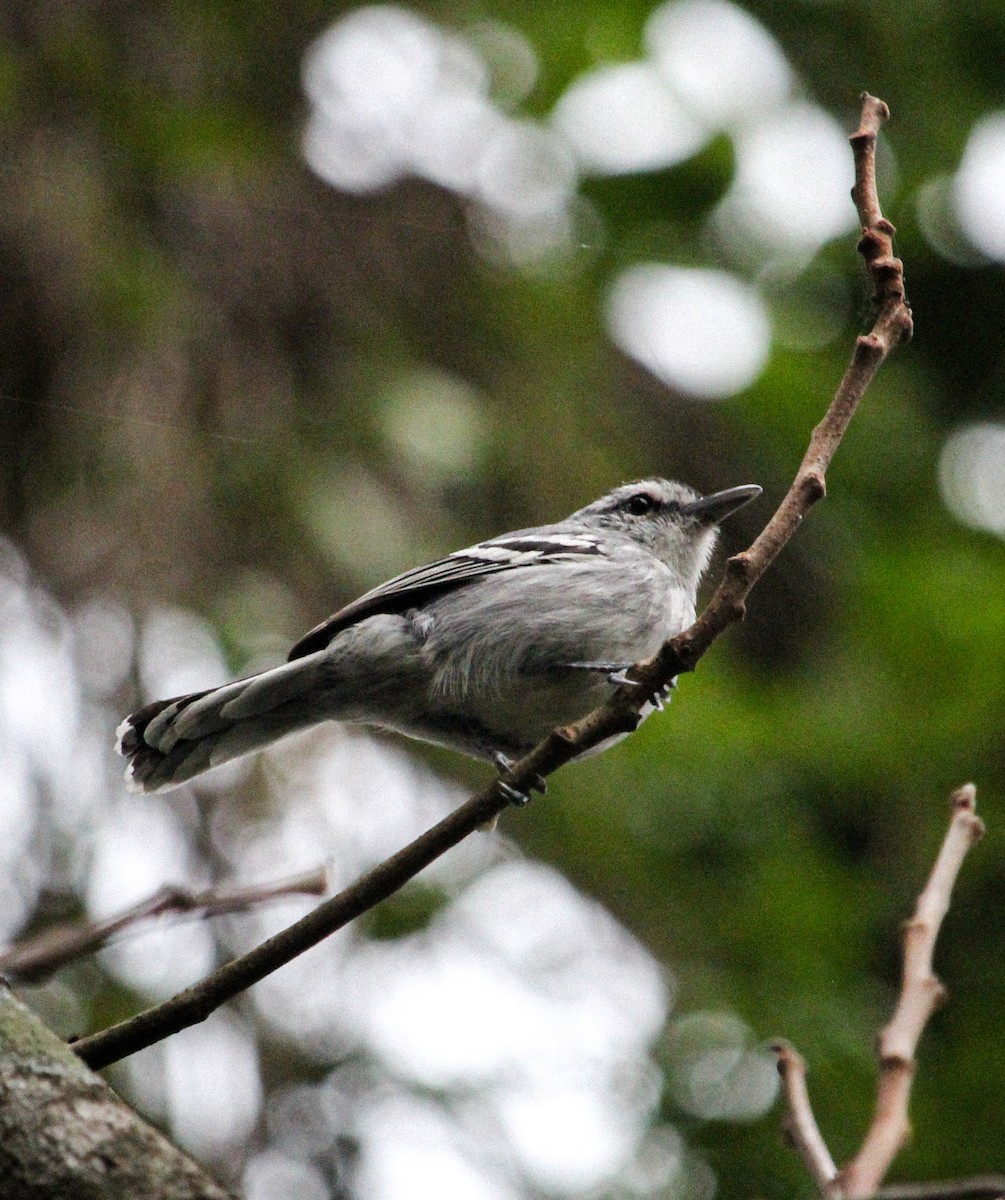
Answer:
(196, 1003)
(920, 994)
(977, 1187)
(892, 326)
(36, 958)
(800, 1123)
(621, 714)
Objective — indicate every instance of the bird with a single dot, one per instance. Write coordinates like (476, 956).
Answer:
(484, 651)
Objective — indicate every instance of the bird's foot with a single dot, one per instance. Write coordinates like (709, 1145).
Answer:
(617, 676)
(616, 672)
(515, 795)
(663, 697)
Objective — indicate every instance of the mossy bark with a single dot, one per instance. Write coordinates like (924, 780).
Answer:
(66, 1135)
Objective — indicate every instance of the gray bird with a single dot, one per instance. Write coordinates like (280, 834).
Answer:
(484, 651)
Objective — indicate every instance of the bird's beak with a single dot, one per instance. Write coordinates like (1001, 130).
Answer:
(710, 510)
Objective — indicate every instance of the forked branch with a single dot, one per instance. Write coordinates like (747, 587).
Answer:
(35, 958)
(920, 994)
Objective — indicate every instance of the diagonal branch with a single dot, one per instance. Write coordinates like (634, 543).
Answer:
(34, 959)
(622, 713)
(800, 1124)
(892, 326)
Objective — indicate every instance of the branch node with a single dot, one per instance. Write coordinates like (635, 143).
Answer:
(684, 653)
(813, 485)
(963, 802)
(896, 1064)
(929, 987)
(869, 346)
(741, 568)
(879, 109)
(874, 244)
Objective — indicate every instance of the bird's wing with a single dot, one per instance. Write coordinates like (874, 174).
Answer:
(512, 551)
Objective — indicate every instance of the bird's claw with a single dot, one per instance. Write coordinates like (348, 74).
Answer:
(616, 672)
(516, 796)
(512, 794)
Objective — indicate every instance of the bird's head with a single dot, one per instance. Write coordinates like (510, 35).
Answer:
(672, 520)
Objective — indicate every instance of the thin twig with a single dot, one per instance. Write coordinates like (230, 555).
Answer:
(892, 326)
(920, 994)
(621, 714)
(800, 1123)
(35, 958)
(197, 1002)
(976, 1187)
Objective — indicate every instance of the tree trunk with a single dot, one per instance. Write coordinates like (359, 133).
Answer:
(65, 1135)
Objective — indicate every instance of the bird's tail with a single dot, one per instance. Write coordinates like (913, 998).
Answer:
(170, 741)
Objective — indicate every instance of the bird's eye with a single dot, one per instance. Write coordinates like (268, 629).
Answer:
(640, 504)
